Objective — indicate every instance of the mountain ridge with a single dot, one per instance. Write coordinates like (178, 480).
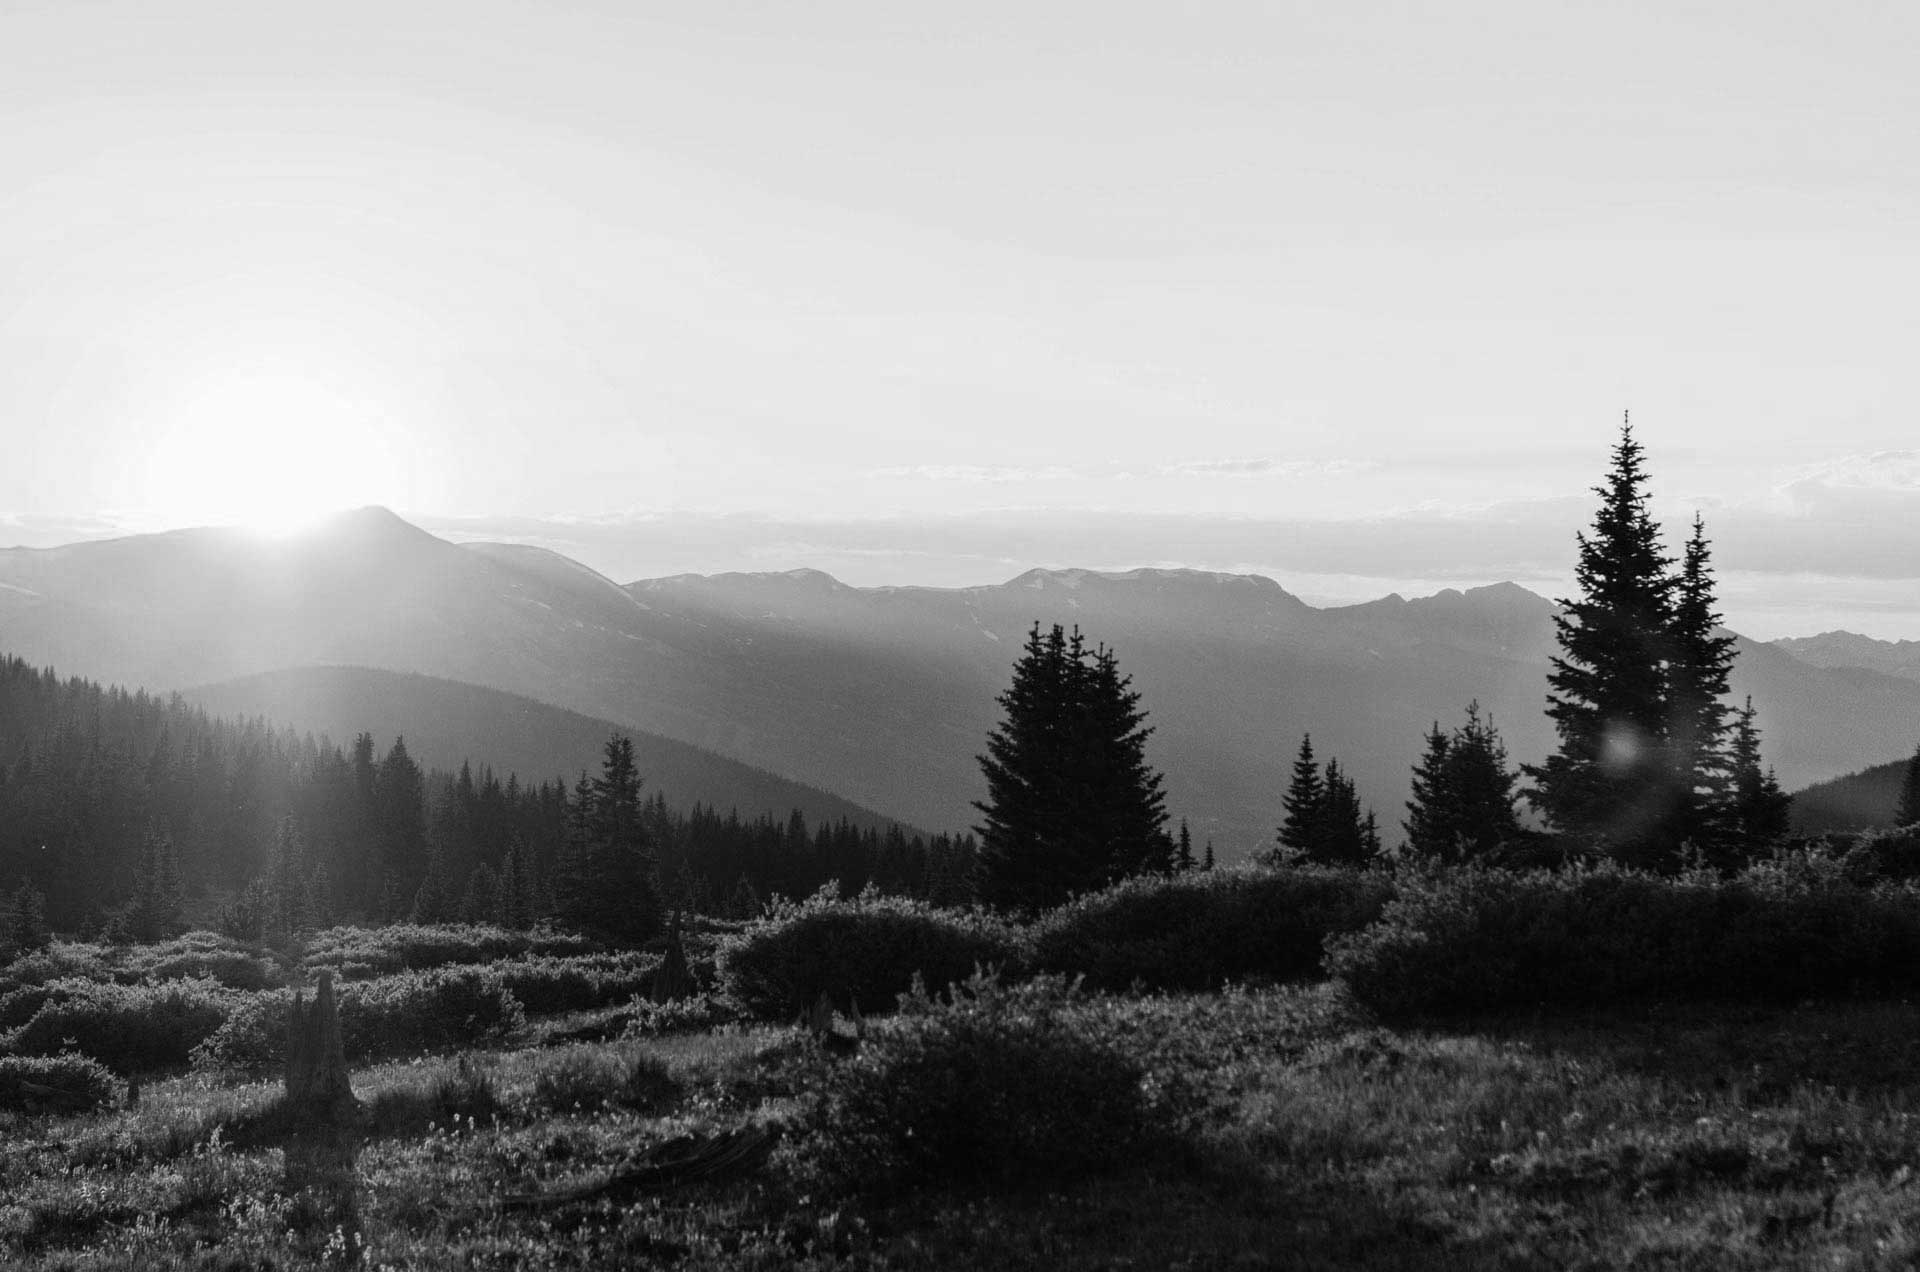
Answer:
(885, 696)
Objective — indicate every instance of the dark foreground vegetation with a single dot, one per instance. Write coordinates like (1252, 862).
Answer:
(1734, 1087)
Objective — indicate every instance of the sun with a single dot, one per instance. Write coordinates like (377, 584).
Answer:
(268, 449)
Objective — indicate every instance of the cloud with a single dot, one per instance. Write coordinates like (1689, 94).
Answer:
(1267, 468)
(982, 473)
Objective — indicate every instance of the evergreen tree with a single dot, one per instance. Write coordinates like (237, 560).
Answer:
(1304, 800)
(400, 816)
(1759, 813)
(1463, 800)
(1609, 787)
(435, 900)
(1342, 835)
(1432, 823)
(515, 908)
(1183, 855)
(1207, 862)
(1907, 812)
(573, 879)
(29, 909)
(481, 904)
(1071, 802)
(1702, 657)
(154, 913)
(609, 885)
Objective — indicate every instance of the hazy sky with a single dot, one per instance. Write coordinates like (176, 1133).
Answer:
(923, 292)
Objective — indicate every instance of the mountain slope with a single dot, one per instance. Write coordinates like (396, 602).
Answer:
(1866, 800)
(447, 723)
(1849, 649)
(882, 695)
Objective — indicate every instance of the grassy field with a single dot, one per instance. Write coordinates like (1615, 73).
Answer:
(1296, 1133)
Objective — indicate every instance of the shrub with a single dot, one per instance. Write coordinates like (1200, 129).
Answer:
(197, 955)
(82, 1083)
(129, 1028)
(556, 984)
(1198, 931)
(60, 961)
(364, 953)
(1873, 855)
(683, 1015)
(866, 950)
(587, 1081)
(1488, 939)
(996, 1085)
(442, 1010)
(466, 1091)
(18, 1006)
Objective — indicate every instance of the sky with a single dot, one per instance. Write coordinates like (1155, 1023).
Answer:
(1352, 295)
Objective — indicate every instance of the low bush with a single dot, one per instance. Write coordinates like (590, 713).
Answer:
(128, 1028)
(18, 1006)
(1197, 931)
(556, 984)
(63, 1083)
(1788, 930)
(446, 1009)
(1875, 855)
(60, 961)
(364, 953)
(996, 1085)
(587, 1081)
(464, 1092)
(865, 951)
(197, 956)
(697, 1014)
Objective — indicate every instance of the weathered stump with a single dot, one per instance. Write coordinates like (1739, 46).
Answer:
(323, 1115)
(674, 978)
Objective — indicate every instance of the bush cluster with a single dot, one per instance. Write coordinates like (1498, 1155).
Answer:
(1888, 854)
(587, 1081)
(445, 1009)
(866, 951)
(1475, 940)
(996, 1085)
(82, 1082)
(556, 984)
(1197, 931)
(697, 1014)
(196, 956)
(128, 1028)
(355, 953)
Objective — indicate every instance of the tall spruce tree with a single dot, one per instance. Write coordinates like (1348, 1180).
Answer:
(1306, 794)
(1325, 823)
(1697, 717)
(1758, 810)
(1907, 811)
(1610, 786)
(621, 896)
(154, 913)
(1463, 798)
(1072, 803)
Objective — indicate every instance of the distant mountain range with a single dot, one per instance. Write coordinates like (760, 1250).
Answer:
(447, 723)
(1848, 649)
(881, 695)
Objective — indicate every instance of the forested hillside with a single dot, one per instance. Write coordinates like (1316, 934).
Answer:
(106, 794)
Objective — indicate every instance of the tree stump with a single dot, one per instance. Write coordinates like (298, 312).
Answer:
(674, 979)
(323, 1115)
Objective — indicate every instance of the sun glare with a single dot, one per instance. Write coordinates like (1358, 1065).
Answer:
(269, 451)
